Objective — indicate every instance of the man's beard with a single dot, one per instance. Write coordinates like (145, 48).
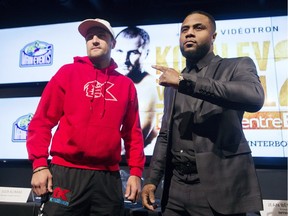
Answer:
(197, 54)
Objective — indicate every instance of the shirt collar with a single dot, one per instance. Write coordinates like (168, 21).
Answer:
(201, 63)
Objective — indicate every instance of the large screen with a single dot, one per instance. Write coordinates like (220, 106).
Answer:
(34, 54)
(16, 114)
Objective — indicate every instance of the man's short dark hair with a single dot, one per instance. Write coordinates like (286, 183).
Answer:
(210, 17)
(133, 32)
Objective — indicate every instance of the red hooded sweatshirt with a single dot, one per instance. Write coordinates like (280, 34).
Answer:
(92, 109)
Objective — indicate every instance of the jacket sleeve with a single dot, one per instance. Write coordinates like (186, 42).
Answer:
(46, 117)
(132, 136)
(235, 85)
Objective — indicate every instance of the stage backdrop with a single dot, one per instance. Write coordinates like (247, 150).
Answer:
(34, 54)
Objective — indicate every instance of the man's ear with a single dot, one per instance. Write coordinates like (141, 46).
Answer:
(214, 37)
(113, 43)
(147, 53)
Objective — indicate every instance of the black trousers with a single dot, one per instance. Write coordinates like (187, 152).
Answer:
(79, 192)
(189, 200)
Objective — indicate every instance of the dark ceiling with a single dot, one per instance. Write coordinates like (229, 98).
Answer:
(16, 13)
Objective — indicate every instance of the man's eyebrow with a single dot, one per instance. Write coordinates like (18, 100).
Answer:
(198, 24)
(184, 26)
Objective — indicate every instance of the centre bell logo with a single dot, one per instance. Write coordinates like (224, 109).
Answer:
(37, 53)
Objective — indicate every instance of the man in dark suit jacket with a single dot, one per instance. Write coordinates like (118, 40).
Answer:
(201, 149)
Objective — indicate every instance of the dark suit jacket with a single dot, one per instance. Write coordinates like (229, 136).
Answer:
(223, 157)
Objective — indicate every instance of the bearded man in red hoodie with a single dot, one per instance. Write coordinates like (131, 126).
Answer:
(93, 107)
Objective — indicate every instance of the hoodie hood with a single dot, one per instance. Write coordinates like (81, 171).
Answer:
(86, 60)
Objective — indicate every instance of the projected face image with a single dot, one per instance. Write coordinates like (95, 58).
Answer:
(129, 54)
